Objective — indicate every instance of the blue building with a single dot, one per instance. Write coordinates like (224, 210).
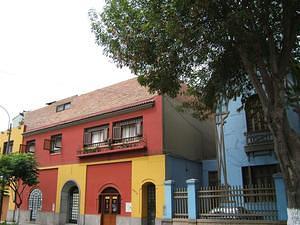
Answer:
(246, 162)
(249, 146)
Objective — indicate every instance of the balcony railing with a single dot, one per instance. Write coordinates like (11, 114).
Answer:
(259, 141)
(113, 146)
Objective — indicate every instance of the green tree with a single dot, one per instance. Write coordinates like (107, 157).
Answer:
(220, 49)
(18, 171)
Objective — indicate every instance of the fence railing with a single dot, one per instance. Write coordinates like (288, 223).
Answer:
(237, 202)
(180, 196)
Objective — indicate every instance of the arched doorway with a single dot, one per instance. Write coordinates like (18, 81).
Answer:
(34, 203)
(69, 203)
(109, 205)
(148, 204)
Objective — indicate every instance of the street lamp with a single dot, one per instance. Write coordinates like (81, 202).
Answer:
(6, 151)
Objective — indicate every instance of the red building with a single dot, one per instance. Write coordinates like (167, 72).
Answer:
(104, 156)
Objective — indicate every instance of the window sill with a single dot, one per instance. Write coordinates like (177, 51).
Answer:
(55, 153)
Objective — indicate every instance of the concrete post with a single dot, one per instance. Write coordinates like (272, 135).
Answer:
(281, 199)
(169, 187)
(192, 185)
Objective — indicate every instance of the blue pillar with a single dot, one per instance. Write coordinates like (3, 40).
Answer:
(192, 185)
(281, 199)
(168, 212)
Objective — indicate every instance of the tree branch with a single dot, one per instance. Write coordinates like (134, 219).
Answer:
(253, 78)
(290, 24)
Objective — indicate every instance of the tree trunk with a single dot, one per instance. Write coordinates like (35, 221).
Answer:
(18, 215)
(287, 149)
(293, 216)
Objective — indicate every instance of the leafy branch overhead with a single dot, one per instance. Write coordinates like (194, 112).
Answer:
(219, 49)
(213, 46)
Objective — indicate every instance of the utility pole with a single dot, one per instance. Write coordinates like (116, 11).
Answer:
(221, 115)
(6, 151)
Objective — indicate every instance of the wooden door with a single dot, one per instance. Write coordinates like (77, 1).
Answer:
(110, 208)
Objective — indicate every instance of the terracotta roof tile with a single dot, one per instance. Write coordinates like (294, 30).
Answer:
(113, 97)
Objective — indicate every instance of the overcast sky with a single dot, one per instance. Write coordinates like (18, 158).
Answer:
(47, 52)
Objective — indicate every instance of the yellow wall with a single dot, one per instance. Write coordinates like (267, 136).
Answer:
(147, 169)
(76, 173)
(11, 205)
(16, 136)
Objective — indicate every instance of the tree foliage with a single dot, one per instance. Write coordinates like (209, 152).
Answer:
(200, 42)
(18, 171)
(220, 49)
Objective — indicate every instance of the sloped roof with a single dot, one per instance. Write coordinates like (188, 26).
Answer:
(117, 96)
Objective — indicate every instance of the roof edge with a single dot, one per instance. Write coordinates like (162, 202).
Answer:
(95, 116)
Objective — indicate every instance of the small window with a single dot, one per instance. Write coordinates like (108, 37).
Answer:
(213, 178)
(254, 115)
(8, 149)
(63, 107)
(96, 136)
(259, 175)
(55, 143)
(30, 146)
(128, 130)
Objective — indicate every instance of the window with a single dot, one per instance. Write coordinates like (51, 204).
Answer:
(254, 115)
(30, 146)
(96, 136)
(212, 178)
(53, 145)
(128, 130)
(8, 149)
(63, 107)
(259, 175)
(261, 178)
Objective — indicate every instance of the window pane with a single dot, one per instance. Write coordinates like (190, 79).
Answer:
(129, 131)
(96, 137)
(56, 143)
(59, 108)
(67, 105)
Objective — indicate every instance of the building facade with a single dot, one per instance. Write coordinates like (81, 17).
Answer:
(249, 145)
(104, 156)
(15, 140)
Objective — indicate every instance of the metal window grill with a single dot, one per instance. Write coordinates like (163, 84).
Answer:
(74, 206)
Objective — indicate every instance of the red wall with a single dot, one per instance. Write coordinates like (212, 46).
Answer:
(72, 138)
(48, 186)
(117, 175)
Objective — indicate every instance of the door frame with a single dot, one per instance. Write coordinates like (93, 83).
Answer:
(113, 194)
(39, 199)
(146, 220)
